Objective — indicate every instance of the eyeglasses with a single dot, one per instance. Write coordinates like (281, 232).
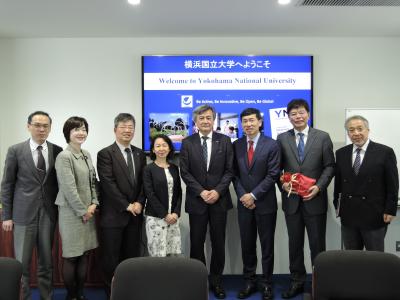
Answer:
(38, 126)
(129, 128)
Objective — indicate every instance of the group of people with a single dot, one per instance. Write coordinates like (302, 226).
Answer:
(39, 174)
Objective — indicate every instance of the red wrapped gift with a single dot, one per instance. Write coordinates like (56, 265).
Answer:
(298, 182)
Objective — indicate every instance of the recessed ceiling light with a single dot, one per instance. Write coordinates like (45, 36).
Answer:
(283, 2)
(134, 2)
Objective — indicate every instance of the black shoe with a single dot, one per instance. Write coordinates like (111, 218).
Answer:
(267, 293)
(249, 289)
(293, 291)
(219, 291)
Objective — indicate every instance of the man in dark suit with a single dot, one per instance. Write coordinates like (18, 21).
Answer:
(28, 191)
(366, 188)
(206, 161)
(257, 168)
(120, 167)
(308, 151)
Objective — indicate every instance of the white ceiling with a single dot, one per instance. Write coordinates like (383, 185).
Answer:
(194, 18)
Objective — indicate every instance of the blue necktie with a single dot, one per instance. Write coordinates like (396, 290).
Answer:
(357, 162)
(300, 146)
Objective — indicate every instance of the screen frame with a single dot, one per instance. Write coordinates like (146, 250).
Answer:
(144, 121)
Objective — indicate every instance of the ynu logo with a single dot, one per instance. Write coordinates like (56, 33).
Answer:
(281, 113)
(187, 101)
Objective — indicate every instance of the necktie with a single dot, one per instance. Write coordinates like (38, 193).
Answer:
(300, 146)
(357, 162)
(250, 152)
(205, 151)
(41, 164)
(131, 170)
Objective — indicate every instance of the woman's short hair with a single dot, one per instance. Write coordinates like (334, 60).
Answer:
(72, 123)
(167, 140)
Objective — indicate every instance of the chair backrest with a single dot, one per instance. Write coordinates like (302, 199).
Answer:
(355, 274)
(10, 278)
(153, 278)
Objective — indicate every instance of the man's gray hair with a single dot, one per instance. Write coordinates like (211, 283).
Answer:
(356, 117)
(201, 109)
(124, 117)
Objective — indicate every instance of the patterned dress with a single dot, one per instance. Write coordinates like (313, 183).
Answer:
(163, 239)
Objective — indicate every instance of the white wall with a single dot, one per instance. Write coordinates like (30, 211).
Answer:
(6, 90)
(98, 78)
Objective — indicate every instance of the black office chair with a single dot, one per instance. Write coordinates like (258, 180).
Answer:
(355, 274)
(10, 278)
(153, 278)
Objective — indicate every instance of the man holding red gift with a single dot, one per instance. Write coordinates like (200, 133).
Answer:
(307, 151)
(366, 188)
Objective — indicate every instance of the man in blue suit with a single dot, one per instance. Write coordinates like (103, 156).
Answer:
(257, 168)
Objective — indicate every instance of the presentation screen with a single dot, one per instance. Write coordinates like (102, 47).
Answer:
(173, 86)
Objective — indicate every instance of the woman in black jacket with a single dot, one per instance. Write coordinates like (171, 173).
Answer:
(162, 187)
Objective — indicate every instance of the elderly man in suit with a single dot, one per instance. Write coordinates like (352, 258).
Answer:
(206, 162)
(257, 168)
(28, 192)
(366, 188)
(308, 151)
(120, 168)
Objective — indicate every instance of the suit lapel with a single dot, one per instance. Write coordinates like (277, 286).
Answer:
(27, 153)
(310, 141)
(257, 151)
(121, 160)
(199, 149)
(292, 144)
(349, 158)
(216, 143)
(136, 162)
(50, 159)
(369, 154)
(243, 153)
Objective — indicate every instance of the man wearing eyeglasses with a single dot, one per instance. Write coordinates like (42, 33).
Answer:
(28, 191)
(120, 167)
(366, 188)
(308, 151)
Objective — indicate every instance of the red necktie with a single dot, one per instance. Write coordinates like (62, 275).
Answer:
(250, 152)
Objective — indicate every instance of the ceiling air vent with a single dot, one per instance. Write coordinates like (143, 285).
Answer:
(348, 3)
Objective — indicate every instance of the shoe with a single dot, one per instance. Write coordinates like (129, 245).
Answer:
(293, 291)
(219, 291)
(267, 293)
(249, 289)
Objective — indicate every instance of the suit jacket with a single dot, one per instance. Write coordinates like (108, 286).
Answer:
(260, 177)
(156, 191)
(22, 190)
(197, 178)
(365, 197)
(318, 163)
(116, 188)
(76, 176)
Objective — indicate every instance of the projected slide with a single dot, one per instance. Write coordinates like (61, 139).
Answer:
(174, 85)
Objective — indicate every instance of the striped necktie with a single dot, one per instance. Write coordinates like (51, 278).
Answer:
(300, 146)
(357, 162)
